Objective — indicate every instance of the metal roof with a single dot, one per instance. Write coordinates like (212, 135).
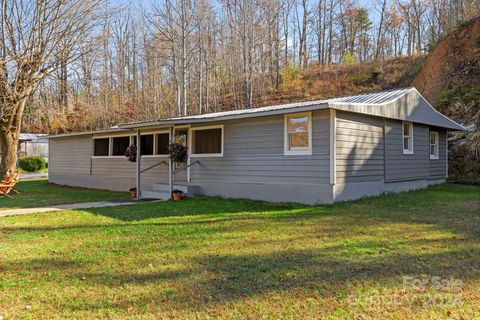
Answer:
(402, 104)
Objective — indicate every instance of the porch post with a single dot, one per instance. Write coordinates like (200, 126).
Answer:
(171, 132)
(139, 189)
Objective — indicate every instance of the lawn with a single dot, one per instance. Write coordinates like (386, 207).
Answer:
(37, 193)
(211, 258)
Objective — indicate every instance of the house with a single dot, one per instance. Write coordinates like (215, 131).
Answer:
(33, 145)
(309, 152)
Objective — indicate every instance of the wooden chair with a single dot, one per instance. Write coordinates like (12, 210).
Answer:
(7, 185)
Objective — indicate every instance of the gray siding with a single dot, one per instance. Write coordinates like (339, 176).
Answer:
(71, 163)
(359, 148)
(399, 166)
(70, 155)
(254, 153)
(438, 168)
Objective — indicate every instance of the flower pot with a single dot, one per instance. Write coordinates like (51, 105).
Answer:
(133, 193)
(176, 196)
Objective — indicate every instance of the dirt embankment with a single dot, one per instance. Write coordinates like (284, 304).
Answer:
(453, 65)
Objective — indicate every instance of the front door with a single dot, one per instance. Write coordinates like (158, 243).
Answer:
(181, 136)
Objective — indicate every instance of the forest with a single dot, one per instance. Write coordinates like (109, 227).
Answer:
(180, 57)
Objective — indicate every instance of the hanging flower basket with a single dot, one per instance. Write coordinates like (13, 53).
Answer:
(178, 152)
(131, 153)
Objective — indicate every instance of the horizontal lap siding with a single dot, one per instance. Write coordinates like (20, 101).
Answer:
(122, 168)
(399, 166)
(70, 155)
(438, 168)
(254, 153)
(359, 148)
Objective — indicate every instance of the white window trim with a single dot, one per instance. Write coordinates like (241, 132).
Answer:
(155, 147)
(93, 148)
(154, 133)
(297, 151)
(132, 138)
(437, 144)
(410, 135)
(207, 155)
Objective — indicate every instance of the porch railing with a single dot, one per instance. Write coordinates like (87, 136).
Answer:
(155, 165)
(187, 166)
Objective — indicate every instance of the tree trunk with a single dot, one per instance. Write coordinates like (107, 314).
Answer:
(8, 148)
(9, 135)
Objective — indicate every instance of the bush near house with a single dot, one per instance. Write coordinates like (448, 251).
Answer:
(32, 164)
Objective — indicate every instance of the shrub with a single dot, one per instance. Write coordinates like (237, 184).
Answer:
(32, 164)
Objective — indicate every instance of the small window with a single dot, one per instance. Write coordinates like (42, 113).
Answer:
(120, 145)
(298, 134)
(101, 147)
(407, 138)
(207, 141)
(433, 145)
(146, 145)
(163, 139)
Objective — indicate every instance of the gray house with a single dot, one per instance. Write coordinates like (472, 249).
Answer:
(310, 152)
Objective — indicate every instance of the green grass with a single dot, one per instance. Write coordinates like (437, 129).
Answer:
(211, 258)
(37, 193)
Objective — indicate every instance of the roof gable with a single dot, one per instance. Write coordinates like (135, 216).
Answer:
(409, 106)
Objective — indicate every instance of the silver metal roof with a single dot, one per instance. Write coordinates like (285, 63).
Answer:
(402, 104)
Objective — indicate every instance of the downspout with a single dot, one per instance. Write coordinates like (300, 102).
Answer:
(139, 188)
(385, 150)
(333, 152)
(171, 174)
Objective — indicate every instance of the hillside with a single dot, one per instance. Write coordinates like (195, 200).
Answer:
(449, 77)
(318, 82)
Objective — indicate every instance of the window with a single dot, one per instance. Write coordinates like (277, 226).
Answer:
(120, 145)
(298, 134)
(433, 145)
(207, 141)
(163, 139)
(146, 145)
(407, 138)
(101, 147)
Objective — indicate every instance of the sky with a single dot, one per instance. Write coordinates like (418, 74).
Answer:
(145, 3)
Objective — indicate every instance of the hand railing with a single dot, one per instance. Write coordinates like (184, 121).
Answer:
(155, 165)
(188, 166)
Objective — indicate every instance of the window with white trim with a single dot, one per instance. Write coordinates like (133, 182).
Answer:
(407, 138)
(434, 145)
(298, 134)
(120, 145)
(101, 147)
(146, 144)
(207, 141)
(163, 140)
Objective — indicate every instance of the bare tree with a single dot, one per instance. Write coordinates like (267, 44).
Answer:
(34, 38)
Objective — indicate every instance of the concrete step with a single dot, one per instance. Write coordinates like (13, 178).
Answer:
(160, 187)
(153, 194)
(188, 190)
